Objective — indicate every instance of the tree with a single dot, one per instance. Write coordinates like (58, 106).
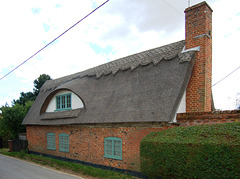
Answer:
(24, 97)
(31, 96)
(12, 117)
(39, 82)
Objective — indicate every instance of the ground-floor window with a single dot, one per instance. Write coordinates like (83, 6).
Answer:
(113, 148)
(51, 145)
(63, 142)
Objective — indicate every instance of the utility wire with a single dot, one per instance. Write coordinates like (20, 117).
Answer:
(54, 39)
(200, 30)
(180, 13)
(226, 76)
(173, 8)
(82, 20)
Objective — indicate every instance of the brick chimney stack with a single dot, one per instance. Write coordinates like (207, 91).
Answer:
(198, 25)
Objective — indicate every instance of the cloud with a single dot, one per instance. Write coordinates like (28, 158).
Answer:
(19, 40)
(225, 52)
(145, 16)
(117, 29)
(58, 5)
(98, 49)
(36, 11)
(46, 27)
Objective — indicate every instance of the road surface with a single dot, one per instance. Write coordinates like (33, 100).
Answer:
(11, 168)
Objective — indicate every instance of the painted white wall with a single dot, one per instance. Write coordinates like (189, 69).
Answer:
(182, 107)
(76, 101)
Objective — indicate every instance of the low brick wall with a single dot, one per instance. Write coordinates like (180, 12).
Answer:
(200, 118)
(86, 142)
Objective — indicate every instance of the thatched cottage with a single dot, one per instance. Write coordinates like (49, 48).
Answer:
(100, 115)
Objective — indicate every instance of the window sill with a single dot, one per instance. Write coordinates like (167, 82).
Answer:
(113, 157)
(66, 109)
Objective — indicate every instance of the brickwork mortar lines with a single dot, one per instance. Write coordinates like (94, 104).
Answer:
(199, 22)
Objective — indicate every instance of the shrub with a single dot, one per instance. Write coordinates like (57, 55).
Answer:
(207, 151)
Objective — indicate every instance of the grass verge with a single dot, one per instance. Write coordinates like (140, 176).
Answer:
(73, 168)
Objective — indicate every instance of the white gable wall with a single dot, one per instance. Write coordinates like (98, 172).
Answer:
(76, 101)
(182, 107)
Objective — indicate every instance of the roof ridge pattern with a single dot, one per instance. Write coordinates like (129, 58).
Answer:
(166, 52)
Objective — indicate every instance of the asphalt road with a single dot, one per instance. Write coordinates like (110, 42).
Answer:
(11, 168)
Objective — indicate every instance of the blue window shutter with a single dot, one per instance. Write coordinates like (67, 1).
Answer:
(113, 148)
(63, 142)
(51, 144)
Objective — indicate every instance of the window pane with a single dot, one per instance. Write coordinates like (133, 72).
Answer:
(108, 152)
(69, 101)
(117, 147)
(108, 147)
(109, 142)
(64, 142)
(58, 102)
(51, 141)
(60, 141)
(63, 102)
(117, 143)
(117, 153)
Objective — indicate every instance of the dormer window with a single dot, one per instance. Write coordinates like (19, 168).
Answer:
(61, 101)
(64, 102)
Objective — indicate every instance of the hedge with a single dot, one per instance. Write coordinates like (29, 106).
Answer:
(207, 151)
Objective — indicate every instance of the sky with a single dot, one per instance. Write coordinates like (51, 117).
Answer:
(118, 29)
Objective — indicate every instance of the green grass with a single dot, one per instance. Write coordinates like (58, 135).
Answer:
(63, 165)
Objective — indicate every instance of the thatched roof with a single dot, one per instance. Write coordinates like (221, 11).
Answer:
(144, 87)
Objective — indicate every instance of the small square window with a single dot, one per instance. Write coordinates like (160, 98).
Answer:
(113, 148)
(64, 102)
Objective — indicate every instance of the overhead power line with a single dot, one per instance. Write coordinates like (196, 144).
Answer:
(226, 76)
(178, 12)
(54, 40)
(200, 30)
(173, 8)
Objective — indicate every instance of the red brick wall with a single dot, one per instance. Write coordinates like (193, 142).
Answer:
(87, 142)
(199, 22)
(200, 118)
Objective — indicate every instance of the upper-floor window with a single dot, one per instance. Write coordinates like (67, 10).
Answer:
(64, 102)
(113, 148)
